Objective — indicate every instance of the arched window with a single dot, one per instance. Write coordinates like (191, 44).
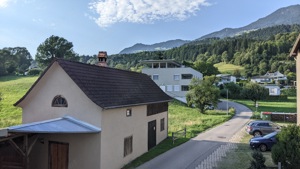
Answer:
(59, 101)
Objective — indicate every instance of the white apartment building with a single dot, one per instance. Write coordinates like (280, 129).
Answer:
(172, 77)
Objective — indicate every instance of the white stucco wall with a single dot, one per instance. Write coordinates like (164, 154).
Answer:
(37, 105)
(116, 126)
(84, 150)
(166, 77)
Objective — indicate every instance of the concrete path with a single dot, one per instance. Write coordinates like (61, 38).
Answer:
(193, 153)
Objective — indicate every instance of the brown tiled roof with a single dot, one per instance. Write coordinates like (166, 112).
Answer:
(112, 88)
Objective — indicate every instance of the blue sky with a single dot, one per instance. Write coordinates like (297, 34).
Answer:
(112, 25)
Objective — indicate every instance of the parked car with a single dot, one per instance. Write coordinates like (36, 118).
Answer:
(209, 107)
(261, 127)
(263, 143)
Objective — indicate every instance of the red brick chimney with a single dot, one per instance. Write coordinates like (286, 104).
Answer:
(102, 57)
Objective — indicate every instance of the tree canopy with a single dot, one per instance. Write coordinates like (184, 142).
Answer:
(254, 92)
(54, 47)
(202, 93)
(14, 60)
(287, 148)
(258, 51)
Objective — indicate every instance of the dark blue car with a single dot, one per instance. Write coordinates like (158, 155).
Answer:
(264, 143)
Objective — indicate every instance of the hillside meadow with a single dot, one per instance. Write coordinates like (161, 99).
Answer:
(228, 68)
(12, 88)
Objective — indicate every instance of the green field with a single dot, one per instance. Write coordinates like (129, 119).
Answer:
(228, 68)
(12, 88)
(289, 106)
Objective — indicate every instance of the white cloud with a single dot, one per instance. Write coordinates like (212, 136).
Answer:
(4, 3)
(144, 11)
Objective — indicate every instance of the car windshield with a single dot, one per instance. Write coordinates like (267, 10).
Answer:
(270, 135)
(250, 124)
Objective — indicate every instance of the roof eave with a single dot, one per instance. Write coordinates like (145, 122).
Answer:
(34, 84)
(138, 104)
(295, 48)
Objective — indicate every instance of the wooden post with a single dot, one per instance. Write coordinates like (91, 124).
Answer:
(173, 137)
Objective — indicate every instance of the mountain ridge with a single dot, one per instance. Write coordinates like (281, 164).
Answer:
(284, 16)
(139, 47)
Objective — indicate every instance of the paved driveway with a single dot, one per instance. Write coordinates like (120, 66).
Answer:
(192, 153)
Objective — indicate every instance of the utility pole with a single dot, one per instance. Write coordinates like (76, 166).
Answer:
(227, 102)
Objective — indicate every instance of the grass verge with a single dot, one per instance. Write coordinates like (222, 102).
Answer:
(242, 156)
(181, 116)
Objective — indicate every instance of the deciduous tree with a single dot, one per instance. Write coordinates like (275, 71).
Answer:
(287, 148)
(54, 47)
(202, 93)
(254, 92)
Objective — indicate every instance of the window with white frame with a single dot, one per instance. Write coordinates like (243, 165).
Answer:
(169, 88)
(176, 88)
(176, 77)
(155, 77)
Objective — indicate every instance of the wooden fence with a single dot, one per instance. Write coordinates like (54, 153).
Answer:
(178, 134)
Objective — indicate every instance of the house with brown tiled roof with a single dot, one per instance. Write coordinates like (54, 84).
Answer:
(86, 116)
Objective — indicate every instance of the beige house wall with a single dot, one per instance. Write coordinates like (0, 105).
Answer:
(116, 127)
(84, 150)
(37, 105)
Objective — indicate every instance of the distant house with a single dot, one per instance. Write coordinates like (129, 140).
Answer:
(225, 78)
(172, 77)
(275, 77)
(85, 116)
(295, 53)
(274, 90)
(261, 79)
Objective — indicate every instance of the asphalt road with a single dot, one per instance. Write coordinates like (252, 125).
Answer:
(193, 152)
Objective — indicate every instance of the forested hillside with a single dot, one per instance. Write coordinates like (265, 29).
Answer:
(258, 51)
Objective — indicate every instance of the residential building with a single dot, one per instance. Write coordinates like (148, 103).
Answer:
(274, 90)
(276, 78)
(225, 78)
(86, 116)
(172, 77)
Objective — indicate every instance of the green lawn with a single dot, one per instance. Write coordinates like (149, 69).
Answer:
(12, 88)
(289, 106)
(228, 68)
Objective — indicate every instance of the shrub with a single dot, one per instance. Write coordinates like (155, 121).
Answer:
(258, 161)
(255, 115)
(34, 72)
(289, 92)
(232, 110)
(287, 148)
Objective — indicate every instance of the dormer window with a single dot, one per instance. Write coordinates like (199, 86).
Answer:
(59, 101)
